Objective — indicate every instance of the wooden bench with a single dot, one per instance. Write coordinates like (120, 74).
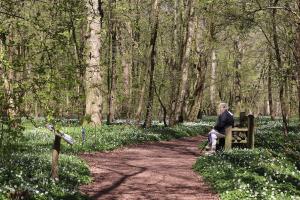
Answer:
(240, 135)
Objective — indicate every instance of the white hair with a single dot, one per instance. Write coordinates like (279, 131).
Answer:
(224, 105)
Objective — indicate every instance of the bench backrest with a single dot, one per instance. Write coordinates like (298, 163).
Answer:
(243, 119)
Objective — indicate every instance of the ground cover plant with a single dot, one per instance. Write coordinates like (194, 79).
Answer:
(271, 171)
(25, 172)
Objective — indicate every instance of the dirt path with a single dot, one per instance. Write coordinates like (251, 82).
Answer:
(148, 171)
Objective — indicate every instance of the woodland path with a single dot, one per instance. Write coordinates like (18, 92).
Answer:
(159, 171)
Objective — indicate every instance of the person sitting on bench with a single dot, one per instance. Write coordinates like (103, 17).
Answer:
(225, 119)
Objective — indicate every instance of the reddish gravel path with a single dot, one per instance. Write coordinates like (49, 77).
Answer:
(148, 171)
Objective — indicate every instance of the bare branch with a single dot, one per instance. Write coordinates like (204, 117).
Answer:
(11, 15)
(286, 9)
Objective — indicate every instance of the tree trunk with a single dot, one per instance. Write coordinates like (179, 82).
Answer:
(173, 62)
(36, 110)
(270, 98)
(148, 118)
(237, 81)
(138, 113)
(127, 86)
(8, 75)
(298, 91)
(126, 56)
(112, 75)
(184, 66)
(174, 93)
(201, 67)
(163, 107)
(199, 88)
(79, 48)
(280, 72)
(297, 55)
(93, 71)
(212, 82)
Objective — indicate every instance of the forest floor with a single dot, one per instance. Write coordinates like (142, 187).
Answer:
(161, 170)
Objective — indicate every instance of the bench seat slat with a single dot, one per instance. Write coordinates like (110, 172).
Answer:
(236, 129)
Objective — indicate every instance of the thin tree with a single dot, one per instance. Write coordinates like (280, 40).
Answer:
(112, 76)
(270, 95)
(237, 78)
(281, 74)
(184, 65)
(297, 56)
(154, 30)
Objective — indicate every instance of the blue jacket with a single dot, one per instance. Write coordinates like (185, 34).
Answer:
(224, 120)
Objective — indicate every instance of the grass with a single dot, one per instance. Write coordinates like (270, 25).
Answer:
(25, 171)
(27, 176)
(271, 171)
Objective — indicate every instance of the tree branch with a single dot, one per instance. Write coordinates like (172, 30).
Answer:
(286, 9)
(11, 15)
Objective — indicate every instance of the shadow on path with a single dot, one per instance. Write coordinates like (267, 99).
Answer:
(160, 170)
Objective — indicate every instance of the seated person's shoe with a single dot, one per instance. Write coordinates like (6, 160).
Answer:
(208, 147)
(209, 153)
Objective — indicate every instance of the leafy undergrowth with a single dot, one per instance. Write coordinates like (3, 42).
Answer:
(27, 176)
(107, 138)
(271, 171)
(25, 173)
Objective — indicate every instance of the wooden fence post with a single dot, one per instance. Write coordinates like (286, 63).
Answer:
(55, 156)
(228, 138)
(251, 131)
(56, 149)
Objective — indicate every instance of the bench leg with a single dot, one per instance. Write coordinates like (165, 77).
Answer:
(250, 131)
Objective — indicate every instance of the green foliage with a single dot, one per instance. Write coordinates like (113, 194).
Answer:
(26, 172)
(109, 137)
(27, 175)
(10, 125)
(271, 171)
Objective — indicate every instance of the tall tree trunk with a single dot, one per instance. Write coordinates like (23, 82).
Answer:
(136, 66)
(298, 91)
(8, 75)
(113, 51)
(212, 81)
(127, 86)
(212, 39)
(270, 98)
(199, 88)
(148, 118)
(237, 79)
(174, 93)
(36, 110)
(163, 107)
(184, 66)
(297, 55)
(2, 71)
(138, 113)
(201, 67)
(126, 61)
(281, 73)
(173, 64)
(93, 71)
(79, 48)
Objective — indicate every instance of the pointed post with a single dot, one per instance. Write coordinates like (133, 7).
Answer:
(55, 156)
